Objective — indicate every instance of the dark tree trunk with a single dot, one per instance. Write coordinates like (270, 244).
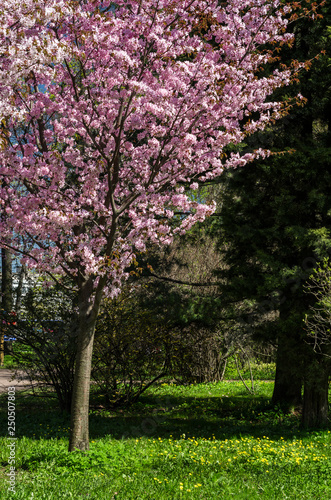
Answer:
(288, 379)
(315, 399)
(6, 294)
(89, 306)
(19, 288)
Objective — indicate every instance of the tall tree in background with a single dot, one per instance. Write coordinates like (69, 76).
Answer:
(317, 325)
(6, 287)
(276, 220)
(107, 114)
(6, 296)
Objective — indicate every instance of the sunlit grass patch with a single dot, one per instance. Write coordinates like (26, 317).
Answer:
(179, 442)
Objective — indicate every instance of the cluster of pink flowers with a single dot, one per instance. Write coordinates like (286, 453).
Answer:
(106, 112)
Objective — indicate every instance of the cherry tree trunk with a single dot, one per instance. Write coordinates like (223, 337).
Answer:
(79, 427)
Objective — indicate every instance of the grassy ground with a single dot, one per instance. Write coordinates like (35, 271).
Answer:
(213, 441)
(8, 362)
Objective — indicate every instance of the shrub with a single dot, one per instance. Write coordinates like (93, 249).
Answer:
(196, 354)
(45, 344)
(132, 350)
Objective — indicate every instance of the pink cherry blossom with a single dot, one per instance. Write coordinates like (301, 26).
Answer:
(108, 114)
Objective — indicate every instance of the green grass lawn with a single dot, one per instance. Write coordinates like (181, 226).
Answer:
(212, 441)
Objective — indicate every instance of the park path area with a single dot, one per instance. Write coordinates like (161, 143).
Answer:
(7, 380)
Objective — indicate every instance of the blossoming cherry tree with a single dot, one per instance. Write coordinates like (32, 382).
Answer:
(108, 113)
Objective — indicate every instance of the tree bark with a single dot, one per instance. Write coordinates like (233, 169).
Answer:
(6, 295)
(89, 306)
(2, 345)
(288, 379)
(19, 289)
(315, 399)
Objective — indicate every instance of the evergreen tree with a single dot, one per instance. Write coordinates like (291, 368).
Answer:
(276, 218)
